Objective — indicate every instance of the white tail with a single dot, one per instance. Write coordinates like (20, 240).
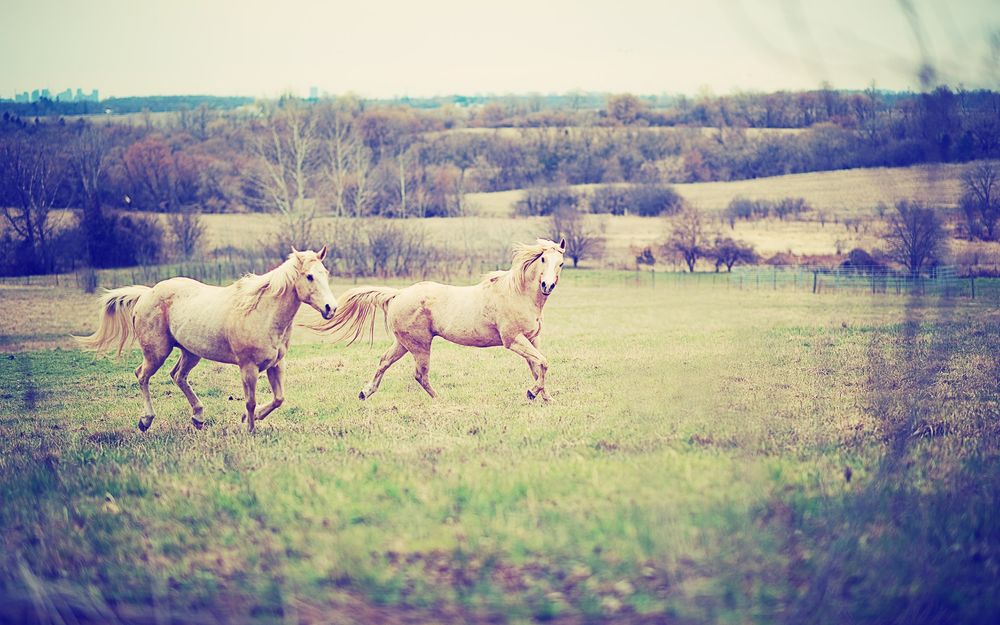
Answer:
(356, 312)
(117, 325)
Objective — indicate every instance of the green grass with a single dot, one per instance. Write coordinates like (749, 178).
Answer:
(691, 468)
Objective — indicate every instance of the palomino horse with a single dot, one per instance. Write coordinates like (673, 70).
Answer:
(247, 323)
(504, 309)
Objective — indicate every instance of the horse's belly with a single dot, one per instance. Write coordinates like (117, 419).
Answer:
(198, 330)
(475, 341)
(479, 336)
(210, 349)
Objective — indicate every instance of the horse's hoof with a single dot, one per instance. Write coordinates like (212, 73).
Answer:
(197, 424)
(243, 419)
(530, 394)
(144, 423)
(361, 395)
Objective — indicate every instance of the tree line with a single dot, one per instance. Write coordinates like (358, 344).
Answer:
(352, 158)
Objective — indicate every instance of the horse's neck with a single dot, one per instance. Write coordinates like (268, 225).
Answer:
(530, 292)
(279, 310)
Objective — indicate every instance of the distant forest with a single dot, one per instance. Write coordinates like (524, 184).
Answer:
(418, 158)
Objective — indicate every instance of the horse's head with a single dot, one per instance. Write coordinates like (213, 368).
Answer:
(550, 264)
(312, 285)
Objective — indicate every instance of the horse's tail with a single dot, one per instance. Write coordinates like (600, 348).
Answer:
(117, 324)
(356, 312)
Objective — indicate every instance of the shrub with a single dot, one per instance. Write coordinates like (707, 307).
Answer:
(645, 200)
(745, 208)
(544, 201)
(138, 240)
(861, 261)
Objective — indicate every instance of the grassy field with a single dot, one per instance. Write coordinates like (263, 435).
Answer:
(844, 193)
(710, 456)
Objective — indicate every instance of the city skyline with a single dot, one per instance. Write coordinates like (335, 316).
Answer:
(66, 95)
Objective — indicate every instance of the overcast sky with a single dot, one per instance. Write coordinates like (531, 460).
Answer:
(379, 48)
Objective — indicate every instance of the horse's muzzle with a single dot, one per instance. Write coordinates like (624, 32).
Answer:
(329, 312)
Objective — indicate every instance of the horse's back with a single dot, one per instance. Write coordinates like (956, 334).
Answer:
(456, 313)
(194, 314)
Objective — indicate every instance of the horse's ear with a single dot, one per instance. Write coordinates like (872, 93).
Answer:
(294, 251)
(562, 245)
(322, 253)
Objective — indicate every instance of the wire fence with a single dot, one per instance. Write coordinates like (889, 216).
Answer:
(943, 281)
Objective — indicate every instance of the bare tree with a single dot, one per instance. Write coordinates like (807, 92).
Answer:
(583, 241)
(361, 166)
(980, 201)
(88, 158)
(285, 144)
(915, 236)
(188, 230)
(401, 158)
(687, 238)
(624, 108)
(31, 175)
(339, 141)
(727, 251)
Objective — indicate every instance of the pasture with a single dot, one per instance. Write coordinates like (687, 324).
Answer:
(845, 192)
(710, 456)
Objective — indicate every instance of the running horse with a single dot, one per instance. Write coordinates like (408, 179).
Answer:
(247, 323)
(505, 308)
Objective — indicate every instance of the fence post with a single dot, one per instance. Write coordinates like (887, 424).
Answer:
(972, 284)
(815, 280)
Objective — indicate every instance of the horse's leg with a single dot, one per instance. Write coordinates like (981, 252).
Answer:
(523, 347)
(388, 359)
(179, 373)
(250, 373)
(274, 375)
(531, 363)
(422, 359)
(153, 355)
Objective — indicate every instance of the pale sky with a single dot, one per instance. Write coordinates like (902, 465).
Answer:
(381, 48)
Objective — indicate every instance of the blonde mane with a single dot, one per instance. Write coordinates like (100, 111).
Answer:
(251, 288)
(522, 256)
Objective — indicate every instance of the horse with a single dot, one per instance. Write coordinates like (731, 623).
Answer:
(247, 323)
(505, 308)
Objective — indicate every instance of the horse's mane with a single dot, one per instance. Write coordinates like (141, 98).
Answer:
(522, 255)
(251, 288)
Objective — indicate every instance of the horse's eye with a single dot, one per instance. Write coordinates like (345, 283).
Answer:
(543, 260)
(309, 277)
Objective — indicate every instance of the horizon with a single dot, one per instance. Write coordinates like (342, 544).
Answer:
(443, 49)
(446, 96)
